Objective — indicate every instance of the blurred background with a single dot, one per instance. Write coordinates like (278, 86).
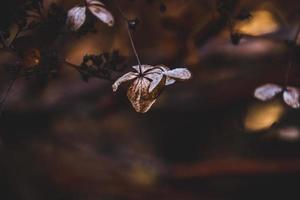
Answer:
(207, 138)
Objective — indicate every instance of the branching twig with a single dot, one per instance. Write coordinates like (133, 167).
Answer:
(68, 63)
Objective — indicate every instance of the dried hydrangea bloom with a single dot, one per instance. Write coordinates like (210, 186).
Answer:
(77, 15)
(269, 91)
(147, 82)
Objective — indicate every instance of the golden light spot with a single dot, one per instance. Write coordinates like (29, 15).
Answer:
(262, 22)
(31, 58)
(143, 176)
(263, 116)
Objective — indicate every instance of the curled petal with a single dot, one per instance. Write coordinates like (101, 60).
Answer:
(169, 81)
(291, 97)
(98, 9)
(139, 95)
(155, 74)
(179, 74)
(267, 91)
(126, 77)
(76, 18)
(156, 81)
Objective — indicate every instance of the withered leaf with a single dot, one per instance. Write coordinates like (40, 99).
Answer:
(267, 91)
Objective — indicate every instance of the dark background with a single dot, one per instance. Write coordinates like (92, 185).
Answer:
(207, 138)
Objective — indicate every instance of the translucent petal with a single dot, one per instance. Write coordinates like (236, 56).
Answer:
(76, 18)
(156, 80)
(291, 97)
(98, 9)
(169, 81)
(126, 77)
(179, 74)
(267, 91)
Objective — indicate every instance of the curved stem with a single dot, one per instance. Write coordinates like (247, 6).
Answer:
(6, 94)
(130, 36)
(291, 56)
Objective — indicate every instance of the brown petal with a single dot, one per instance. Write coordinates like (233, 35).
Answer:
(179, 74)
(267, 91)
(76, 18)
(139, 95)
(100, 12)
(126, 77)
(291, 97)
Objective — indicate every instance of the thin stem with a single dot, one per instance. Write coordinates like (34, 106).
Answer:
(6, 94)
(297, 34)
(71, 64)
(129, 35)
(3, 41)
(15, 37)
(133, 47)
(291, 59)
(290, 66)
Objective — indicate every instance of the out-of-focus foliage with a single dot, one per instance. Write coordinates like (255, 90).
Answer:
(209, 138)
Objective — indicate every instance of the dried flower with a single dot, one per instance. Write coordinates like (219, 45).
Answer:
(269, 91)
(147, 83)
(77, 15)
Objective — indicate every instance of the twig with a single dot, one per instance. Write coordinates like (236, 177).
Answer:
(84, 72)
(6, 94)
(2, 40)
(20, 30)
